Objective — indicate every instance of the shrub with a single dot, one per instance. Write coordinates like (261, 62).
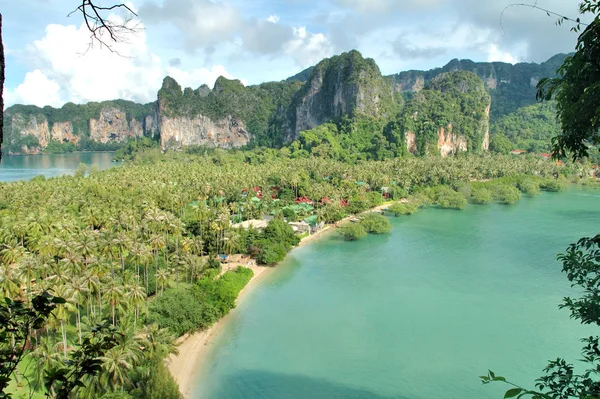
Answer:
(181, 312)
(465, 190)
(279, 231)
(449, 199)
(529, 187)
(270, 252)
(289, 214)
(352, 231)
(507, 194)
(554, 185)
(399, 208)
(222, 293)
(481, 196)
(375, 223)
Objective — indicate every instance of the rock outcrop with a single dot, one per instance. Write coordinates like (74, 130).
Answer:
(411, 142)
(34, 125)
(511, 86)
(176, 132)
(30, 129)
(347, 84)
(451, 115)
(112, 125)
(63, 133)
(450, 142)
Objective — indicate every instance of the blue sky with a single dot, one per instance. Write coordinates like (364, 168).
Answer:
(195, 41)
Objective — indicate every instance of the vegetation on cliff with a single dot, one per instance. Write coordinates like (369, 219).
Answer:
(456, 102)
(511, 86)
(18, 117)
(346, 91)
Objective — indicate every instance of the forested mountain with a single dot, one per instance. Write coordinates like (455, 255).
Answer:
(511, 86)
(402, 113)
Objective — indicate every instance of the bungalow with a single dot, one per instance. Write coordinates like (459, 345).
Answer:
(255, 223)
(300, 227)
(518, 152)
(546, 155)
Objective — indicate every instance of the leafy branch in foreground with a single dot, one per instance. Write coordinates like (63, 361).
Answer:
(577, 90)
(86, 361)
(17, 321)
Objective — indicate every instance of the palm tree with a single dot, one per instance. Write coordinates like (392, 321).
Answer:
(114, 297)
(27, 266)
(162, 277)
(10, 281)
(62, 311)
(140, 254)
(117, 364)
(121, 243)
(43, 357)
(135, 296)
(79, 287)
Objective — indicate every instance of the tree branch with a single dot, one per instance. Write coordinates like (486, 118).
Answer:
(561, 18)
(98, 23)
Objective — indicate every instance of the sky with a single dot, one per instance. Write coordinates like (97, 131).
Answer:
(49, 60)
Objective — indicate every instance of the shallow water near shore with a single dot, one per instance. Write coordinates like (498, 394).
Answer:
(417, 314)
(25, 167)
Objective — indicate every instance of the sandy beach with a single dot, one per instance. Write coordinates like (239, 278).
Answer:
(194, 348)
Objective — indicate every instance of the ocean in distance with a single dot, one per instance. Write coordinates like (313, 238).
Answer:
(26, 167)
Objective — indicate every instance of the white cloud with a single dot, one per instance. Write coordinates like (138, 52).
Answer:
(495, 54)
(36, 89)
(65, 69)
(273, 18)
(308, 48)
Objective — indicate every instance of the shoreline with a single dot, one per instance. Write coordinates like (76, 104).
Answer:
(193, 348)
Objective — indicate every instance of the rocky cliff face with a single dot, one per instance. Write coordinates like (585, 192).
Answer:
(343, 85)
(450, 142)
(232, 115)
(112, 125)
(511, 86)
(63, 133)
(35, 126)
(31, 129)
(176, 132)
(450, 115)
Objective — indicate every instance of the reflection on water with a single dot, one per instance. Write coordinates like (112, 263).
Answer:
(50, 165)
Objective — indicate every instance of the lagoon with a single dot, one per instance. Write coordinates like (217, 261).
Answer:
(416, 314)
(25, 167)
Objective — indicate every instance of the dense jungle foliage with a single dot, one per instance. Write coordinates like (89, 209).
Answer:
(139, 245)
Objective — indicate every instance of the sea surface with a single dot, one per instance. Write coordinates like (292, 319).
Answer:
(416, 314)
(25, 167)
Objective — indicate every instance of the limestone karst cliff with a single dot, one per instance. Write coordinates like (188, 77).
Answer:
(342, 85)
(432, 111)
(511, 86)
(450, 115)
(30, 129)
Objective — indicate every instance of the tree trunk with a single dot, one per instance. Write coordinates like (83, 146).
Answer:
(147, 281)
(64, 337)
(1, 88)
(79, 323)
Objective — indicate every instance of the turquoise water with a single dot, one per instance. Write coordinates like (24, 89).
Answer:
(28, 166)
(417, 314)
